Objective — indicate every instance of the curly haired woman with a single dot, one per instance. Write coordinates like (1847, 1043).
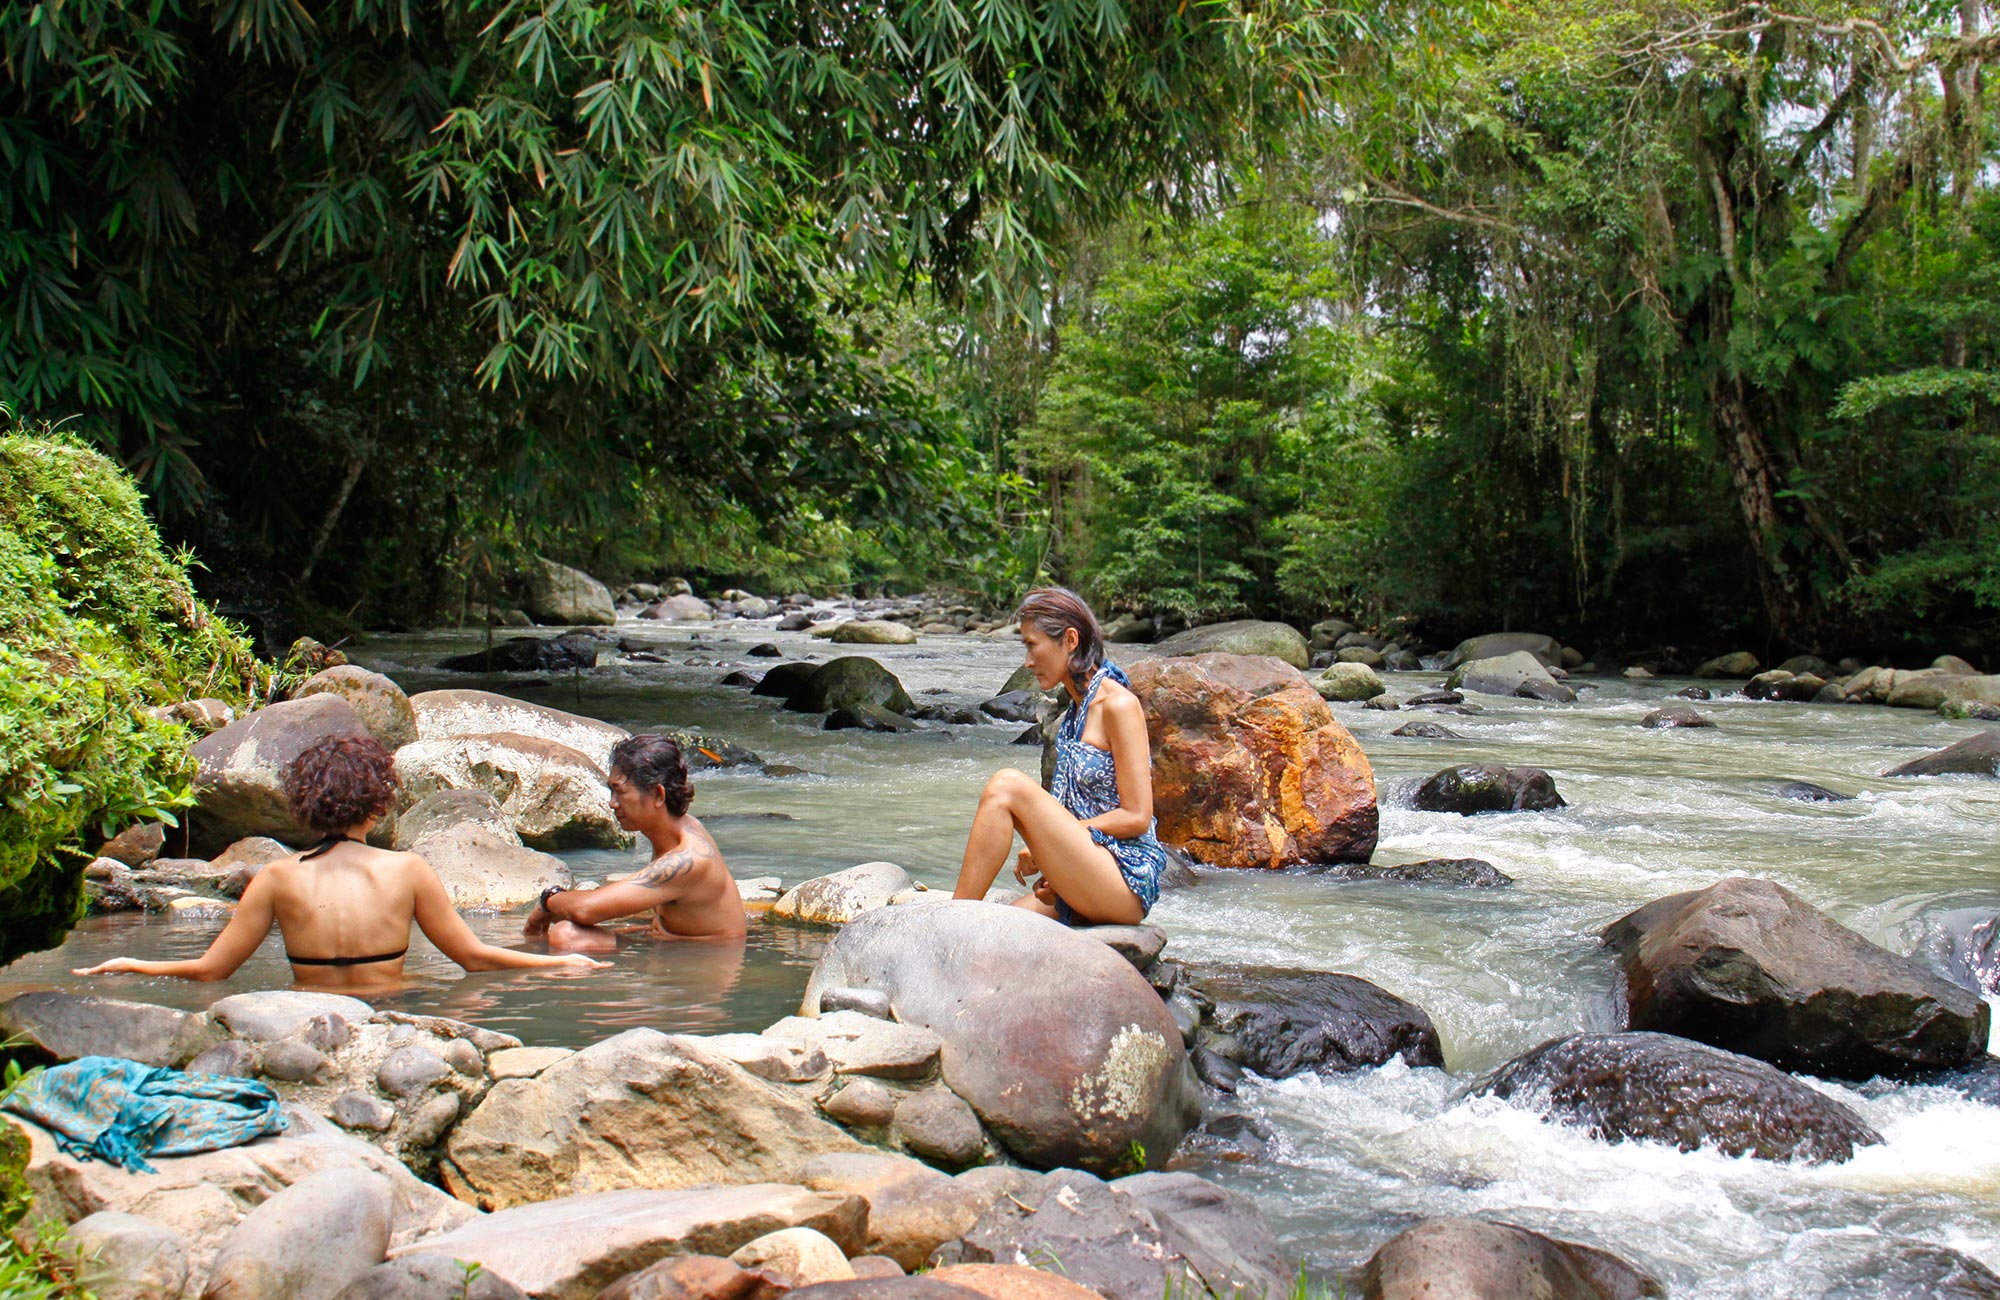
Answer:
(344, 908)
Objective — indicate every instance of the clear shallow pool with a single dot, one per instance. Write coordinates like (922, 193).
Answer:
(1360, 1157)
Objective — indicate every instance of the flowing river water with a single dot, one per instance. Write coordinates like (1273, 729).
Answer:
(1353, 1159)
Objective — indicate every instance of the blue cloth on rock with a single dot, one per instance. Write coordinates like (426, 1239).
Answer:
(1086, 783)
(119, 1111)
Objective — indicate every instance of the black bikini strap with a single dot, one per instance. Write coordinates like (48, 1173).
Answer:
(326, 843)
(343, 961)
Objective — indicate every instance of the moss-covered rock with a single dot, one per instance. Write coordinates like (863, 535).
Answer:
(14, 1194)
(98, 625)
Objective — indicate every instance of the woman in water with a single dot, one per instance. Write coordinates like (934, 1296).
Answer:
(344, 908)
(1092, 855)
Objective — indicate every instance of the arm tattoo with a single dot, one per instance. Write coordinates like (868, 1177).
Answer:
(669, 867)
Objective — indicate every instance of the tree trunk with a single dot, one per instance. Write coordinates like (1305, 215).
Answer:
(1759, 478)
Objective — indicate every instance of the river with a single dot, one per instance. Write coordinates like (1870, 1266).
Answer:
(1356, 1158)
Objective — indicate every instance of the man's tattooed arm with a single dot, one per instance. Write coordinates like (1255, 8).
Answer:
(669, 867)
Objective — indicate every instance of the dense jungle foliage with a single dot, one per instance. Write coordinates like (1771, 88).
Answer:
(98, 624)
(1639, 323)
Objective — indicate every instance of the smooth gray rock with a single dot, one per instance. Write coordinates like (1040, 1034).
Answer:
(362, 1110)
(234, 1058)
(845, 683)
(291, 1061)
(1495, 645)
(1519, 673)
(555, 593)
(377, 701)
(839, 897)
(70, 1025)
(1472, 1259)
(1242, 637)
(1063, 1049)
(441, 809)
(279, 1013)
(126, 1257)
(431, 1120)
(430, 1277)
(936, 1125)
(410, 1070)
(1660, 1088)
(869, 1002)
(307, 1242)
(1221, 1232)
(1139, 944)
(1977, 755)
(862, 1103)
(242, 771)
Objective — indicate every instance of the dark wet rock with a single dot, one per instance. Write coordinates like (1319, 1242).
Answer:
(1426, 731)
(765, 650)
(1552, 692)
(1751, 967)
(1488, 787)
(741, 678)
(1215, 1069)
(848, 683)
(1283, 1022)
(1436, 697)
(1402, 661)
(1221, 1232)
(957, 715)
(1182, 870)
(1113, 1243)
(1467, 873)
(1675, 715)
(1457, 710)
(785, 680)
(867, 717)
(1866, 1267)
(1384, 703)
(1032, 736)
(1974, 756)
(1977, 1080)
(1694, 693)
(1807, 792)
(1661, 1088)
(796, 621)
(524, 654)
(1014, 706)
(1473, 1259)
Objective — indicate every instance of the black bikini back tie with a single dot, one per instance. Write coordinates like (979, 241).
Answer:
(343, 961)
(325, 843)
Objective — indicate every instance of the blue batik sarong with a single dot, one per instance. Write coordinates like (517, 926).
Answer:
(1086, 783)
(118, 1111)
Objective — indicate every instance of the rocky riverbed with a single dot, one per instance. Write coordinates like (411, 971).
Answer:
(1480, 936)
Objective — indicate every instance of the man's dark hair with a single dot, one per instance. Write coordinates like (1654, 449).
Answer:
(340, 781)
(1055, 610)
(649, 761)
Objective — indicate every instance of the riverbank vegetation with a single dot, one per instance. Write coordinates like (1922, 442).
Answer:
(1652, 322)
(99, 624)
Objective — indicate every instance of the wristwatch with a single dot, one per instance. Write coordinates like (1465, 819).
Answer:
(549, 893)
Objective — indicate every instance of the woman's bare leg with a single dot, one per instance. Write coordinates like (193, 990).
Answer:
(1079, 869)
(570, 936)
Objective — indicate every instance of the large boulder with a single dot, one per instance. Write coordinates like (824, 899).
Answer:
(1963, 945)
(571, 652)
(1519, 673)
(1062, 1048)
(1751, 967)
(69, 1025)
(1250, 767)
(554, 796)
(1977, 755)
(1111, 1240)
(575, 1247)
(307, 1242)
(242, 771)
(1348, 683)
(1496, 645)
(203, 1197)
(1243, 637)
(681, 607)
(1740, 663)
(1285, 1022)
(640, 1109)
(1864, 1266)
(850, 682)
(556, 593)
(1662, 1088)
(838, 898)
(377, 701)
(429, 1277)
(1472, 1259)
(872, 631)
(124, 1257)
(448, 715)
(1472, 788)
(488, 869)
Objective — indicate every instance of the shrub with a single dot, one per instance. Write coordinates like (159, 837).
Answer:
(98, 625)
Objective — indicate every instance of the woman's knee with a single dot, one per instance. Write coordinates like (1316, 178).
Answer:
(1008, 785)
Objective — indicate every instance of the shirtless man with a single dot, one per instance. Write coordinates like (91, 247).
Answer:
(686, 886)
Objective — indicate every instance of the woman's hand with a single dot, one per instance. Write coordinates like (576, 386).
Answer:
(579, 961)
(116, 966)
(1025, 868)
(1045, 893)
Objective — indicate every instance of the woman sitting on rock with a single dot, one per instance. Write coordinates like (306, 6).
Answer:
(344, 908)
(1091, 852)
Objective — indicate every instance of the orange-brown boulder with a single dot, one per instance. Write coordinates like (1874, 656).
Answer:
(1250, 767)
(1012, 1282)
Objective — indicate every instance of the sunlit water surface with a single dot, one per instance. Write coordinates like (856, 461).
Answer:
(1359, 1157)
